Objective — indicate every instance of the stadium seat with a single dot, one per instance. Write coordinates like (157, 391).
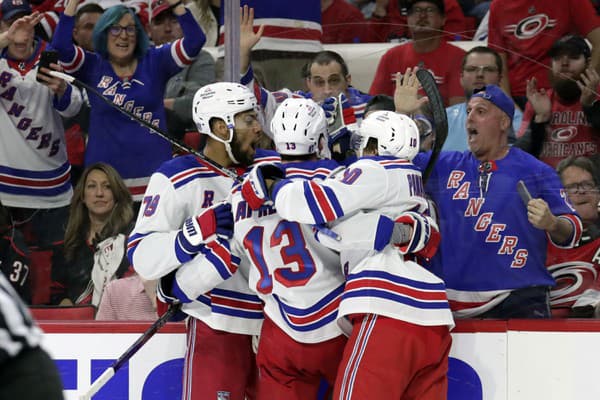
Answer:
(40, 264)
(81, 312)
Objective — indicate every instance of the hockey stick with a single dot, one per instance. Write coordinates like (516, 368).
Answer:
(439, 117)
(134, 348)
(158, 131)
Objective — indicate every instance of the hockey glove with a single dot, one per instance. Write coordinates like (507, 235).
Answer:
(166, 299)
(196, 231)
(339, 113)
(256, 189)
(424, 238)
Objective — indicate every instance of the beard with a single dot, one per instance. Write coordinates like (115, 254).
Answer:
(566, 89)
(244, 158)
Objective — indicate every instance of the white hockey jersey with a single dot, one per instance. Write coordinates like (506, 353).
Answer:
(34, 169)
(181, 188)
(382, 283)
(299, 280)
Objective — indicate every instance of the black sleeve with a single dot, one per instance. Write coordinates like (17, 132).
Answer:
(533, 139)
(592, 113)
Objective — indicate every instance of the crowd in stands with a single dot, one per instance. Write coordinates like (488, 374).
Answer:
(349, 203)
(73, 170)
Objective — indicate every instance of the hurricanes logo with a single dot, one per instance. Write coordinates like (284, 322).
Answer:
(564, 134)
(531, 26)
(572, 279)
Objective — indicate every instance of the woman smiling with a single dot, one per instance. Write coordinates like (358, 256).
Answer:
(133, 75)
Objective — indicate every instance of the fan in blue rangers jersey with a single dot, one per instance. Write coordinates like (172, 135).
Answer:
(398, 309)
(328, 81)
(496, 266)
(176, 238)
(133, 75)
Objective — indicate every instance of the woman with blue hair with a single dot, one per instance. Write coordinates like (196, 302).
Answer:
(133, 75)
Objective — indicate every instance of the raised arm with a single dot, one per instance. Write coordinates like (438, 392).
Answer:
(248, 38)
(193, 36)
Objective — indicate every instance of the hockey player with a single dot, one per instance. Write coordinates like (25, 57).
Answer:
(175, 237)
(299, 280)
(400, 336)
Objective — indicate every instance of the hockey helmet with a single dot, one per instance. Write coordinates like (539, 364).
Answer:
(221, 100)
(297, 126)
(397, 134)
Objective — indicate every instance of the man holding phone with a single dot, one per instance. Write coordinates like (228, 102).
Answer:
(34, 169)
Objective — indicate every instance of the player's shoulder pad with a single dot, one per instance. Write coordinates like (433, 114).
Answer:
(178, 164)
(264, 155)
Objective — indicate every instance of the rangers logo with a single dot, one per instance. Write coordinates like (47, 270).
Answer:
(221, 395)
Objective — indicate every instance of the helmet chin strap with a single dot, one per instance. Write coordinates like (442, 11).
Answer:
(228, 146)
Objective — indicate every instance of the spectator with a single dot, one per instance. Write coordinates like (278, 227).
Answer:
(342, 23)
(133, 76)
(498, 270)
(34, 171)
(388, 21)
(99, 221)
(128, 299)
(14, 257)
(27, 370)
(85, 20)
(564, 120)
(50, 11)
(179, 93)
(76, 128)
(475, 8)
(427, 50)
(523, 31)
(292, 37)
(326, 77)
(206, 13)
(480, 66)
(578, 297)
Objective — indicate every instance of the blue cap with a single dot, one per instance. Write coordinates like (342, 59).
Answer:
(497, 97)
(11, 8)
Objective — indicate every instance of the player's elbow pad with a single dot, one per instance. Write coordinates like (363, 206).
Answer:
(425, 237)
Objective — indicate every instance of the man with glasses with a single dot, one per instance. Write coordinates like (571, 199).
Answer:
(428, 49)
(480, 66)
(577, 270)
(326, 77)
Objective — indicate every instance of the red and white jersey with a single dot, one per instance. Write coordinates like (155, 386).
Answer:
(576, 271)
(568, 133)
(300, 280)
(34, 169)
(182, 188)
(382, 283)
(525, 30)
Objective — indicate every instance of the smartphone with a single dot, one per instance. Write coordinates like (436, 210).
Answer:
(46, 58)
